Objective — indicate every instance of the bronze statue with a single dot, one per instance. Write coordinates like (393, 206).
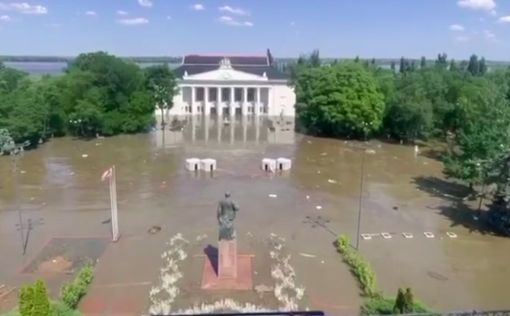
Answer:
(227, 210)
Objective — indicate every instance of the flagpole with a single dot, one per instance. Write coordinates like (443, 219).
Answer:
(113, 205)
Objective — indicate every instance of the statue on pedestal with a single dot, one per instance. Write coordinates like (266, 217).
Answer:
(227, 210)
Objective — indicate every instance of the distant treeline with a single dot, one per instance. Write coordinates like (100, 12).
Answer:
(176, 60)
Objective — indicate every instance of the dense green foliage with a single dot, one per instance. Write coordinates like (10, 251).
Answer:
(33, 300)
(72, 292)
(339, 100)
(385, 306)
(162, 84)
(421, 99)
(98, 94)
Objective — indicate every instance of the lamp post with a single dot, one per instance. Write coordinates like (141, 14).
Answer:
(361, 180)
(360, 204)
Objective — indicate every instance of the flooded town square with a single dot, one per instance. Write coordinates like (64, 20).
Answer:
(55, 207)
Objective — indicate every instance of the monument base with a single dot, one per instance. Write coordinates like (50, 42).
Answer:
(225, 270)
(243, 281)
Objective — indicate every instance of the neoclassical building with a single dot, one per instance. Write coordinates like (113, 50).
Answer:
(232, 85)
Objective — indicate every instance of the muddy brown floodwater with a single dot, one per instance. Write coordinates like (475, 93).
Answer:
(58, 188)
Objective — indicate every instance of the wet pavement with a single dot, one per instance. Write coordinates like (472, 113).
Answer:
(58, 188)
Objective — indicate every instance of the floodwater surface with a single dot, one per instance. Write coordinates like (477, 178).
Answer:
(58, 188)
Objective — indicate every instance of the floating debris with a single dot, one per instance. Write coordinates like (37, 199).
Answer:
(22, 171)
(318, 207)
(154, 230)
(273, 196)
(307, 255)
(324, 154)
(84, 156)
(332, 181)
(370, 151)
(307, 197)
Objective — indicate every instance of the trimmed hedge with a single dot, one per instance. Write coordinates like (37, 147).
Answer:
(359, 266)
(385, 306)
(375, 303)
(72, 292)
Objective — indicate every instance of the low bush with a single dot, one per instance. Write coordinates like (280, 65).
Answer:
(380, 305)
(359, 266)
(72, 292)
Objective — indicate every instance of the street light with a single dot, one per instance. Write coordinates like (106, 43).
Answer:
(360, 205)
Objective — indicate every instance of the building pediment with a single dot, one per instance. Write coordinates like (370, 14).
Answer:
(225, 74)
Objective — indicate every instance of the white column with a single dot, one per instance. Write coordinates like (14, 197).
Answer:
(269, 100)
(219, 107)
(232, 98)
(193, 96)
(259, 101)
(207, 110)
(193, 129)
(244, 109)
(232, 131)
(219, 123)
(245, 127)
(206, 129)
(257, 129)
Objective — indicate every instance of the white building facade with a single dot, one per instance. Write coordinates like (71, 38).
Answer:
(232, 86)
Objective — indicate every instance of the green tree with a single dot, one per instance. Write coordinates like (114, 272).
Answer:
(409, 115)
(161, 82)
(442, 61)
(482, 67)
(474, 65)
(483, 136)
(400, 302)
(26, 301)
(343, 100)
(408, 301)
(393, 66)
(41, 306)
(403, 65)
(423, 62)
(315, 60)
(33, 300)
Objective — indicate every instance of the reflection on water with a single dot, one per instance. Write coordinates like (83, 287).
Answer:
(61, 186)
(214, 131)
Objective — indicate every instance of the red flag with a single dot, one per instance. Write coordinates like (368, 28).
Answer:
(107, 174)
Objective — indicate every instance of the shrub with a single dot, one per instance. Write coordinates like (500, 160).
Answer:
(61, 309)
(380, 305)
(359, 266)
(72, 292)
(33, 300)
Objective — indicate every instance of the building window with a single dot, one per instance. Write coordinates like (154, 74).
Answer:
(238, 95)
(199, 94)
(213, 94)
(225, 94)
(251, 94)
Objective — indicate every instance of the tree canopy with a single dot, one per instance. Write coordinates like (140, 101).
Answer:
(341, 100)
(98, 94)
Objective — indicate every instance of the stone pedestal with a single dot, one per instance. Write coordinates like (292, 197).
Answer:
(226, 269)
(227, 259)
